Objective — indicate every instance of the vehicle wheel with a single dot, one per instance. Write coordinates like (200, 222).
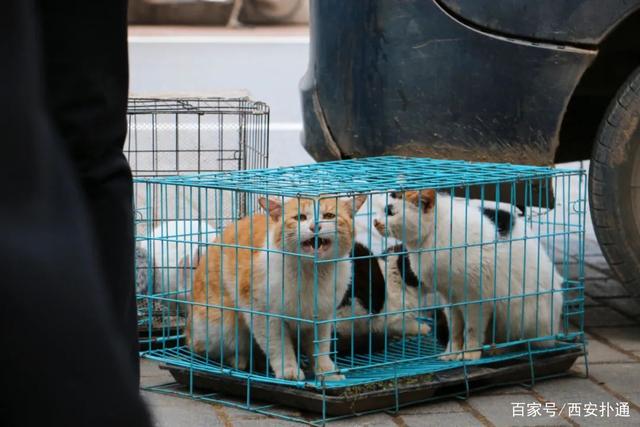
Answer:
(614, 184)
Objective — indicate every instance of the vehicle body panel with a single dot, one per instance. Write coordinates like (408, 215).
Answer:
(407, 77)
(584, 22)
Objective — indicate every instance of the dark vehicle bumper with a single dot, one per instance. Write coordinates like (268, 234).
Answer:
(410, 78)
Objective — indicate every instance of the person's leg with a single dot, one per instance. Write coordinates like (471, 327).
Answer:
(85, 58)
(63, 360)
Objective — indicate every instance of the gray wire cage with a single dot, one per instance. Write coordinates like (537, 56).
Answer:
(169, 136)
(174, 136)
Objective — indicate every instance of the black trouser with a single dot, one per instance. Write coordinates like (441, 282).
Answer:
(68, 352)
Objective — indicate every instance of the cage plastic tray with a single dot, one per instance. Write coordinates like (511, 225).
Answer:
(459, 380)
(374, 388)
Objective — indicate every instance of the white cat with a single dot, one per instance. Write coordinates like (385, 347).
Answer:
(176, 247)
(480, 262)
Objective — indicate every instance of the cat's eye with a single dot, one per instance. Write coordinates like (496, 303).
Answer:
(300, 217)
(394, 195)
(328, 215)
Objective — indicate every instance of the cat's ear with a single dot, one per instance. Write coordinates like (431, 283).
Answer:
(272, 206)
(352, 205)
(424, 199)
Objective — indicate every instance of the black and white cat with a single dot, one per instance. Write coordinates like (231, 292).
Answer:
(484, 262)
(386, 293)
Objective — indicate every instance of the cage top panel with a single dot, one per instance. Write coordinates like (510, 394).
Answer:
(192, 105)
(367, 175)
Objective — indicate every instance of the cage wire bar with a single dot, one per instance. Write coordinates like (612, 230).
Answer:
(169, 136)
(172, 136)
(510, 251)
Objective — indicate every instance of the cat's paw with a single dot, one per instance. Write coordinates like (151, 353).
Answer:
(423, 328)
(241, 362)
(415, 328)
(291, 373)
(381, 228)
(197, 346)
(472, 355)
(450, 357)
(325, 364)
(334, 377)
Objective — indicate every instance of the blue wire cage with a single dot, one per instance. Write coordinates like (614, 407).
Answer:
(343, 279)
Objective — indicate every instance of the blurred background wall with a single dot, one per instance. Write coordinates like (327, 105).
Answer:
(217, 12)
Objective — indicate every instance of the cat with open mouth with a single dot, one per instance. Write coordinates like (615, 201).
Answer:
(266, 263)
(321, 245)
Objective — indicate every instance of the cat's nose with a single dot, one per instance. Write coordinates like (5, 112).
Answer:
(388, 210)
(315, 227)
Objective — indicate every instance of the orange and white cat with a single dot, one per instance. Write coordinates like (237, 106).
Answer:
(272, 277)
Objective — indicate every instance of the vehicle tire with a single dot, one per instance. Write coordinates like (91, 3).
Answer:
(614, 184)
